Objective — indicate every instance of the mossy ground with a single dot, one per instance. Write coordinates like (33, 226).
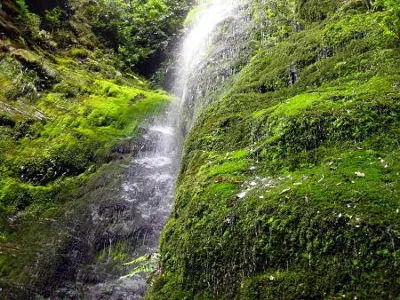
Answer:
(289, 187)
(63, 118)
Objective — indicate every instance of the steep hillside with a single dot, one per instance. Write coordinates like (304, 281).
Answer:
(289, 187)
(70, 111)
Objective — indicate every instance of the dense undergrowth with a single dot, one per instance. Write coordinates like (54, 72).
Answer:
(289, 187)
(140, 34)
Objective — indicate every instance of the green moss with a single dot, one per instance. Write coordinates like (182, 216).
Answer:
(79, 53)
(290, 189)
(293, 106)
(53, 144)
(311, 10)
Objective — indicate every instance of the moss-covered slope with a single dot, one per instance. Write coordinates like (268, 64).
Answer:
(290, 185)
(69, 118)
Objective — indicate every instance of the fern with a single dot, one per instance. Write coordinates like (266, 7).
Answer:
(148, 263)
(139, 270)
(23, 7)
(139, 260)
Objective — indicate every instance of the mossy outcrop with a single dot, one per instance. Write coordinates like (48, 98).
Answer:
(289, 187)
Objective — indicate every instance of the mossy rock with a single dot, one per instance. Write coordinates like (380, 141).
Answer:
(289, 188)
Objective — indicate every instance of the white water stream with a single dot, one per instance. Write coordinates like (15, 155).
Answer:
(198, 38)
(149, 185)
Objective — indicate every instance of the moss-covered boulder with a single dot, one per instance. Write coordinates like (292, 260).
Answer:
(289, 187)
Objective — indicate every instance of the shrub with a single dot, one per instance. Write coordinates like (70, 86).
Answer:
(52, 18)
(79, 53)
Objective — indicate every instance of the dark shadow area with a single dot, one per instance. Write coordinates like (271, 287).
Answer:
(40, 6)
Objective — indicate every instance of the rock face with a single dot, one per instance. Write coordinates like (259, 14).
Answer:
(289, 184)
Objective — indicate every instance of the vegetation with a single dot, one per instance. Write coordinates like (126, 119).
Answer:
(139, 31)
(67, 118)
(55, 140)
(289, 185)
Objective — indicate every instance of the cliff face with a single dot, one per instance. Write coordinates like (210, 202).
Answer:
(289, 186)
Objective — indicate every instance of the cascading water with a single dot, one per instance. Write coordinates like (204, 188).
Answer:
(149, 185)
(197, 42)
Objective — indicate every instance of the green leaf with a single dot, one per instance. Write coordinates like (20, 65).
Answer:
(139, 260)
(138, 270)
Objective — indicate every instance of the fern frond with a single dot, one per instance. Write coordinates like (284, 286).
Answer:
(138, 260)
(138, 270)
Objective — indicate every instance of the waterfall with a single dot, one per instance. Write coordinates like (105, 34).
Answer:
(198, 40)
(207, 47)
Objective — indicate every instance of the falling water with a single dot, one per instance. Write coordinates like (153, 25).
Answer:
(149, 185)
(197, 42)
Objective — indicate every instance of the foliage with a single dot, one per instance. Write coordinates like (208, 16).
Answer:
(52, 18)
(138, 30)
(312, 10)
(31, 22)
(24, 10)
(145, 264)
(275, 21)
